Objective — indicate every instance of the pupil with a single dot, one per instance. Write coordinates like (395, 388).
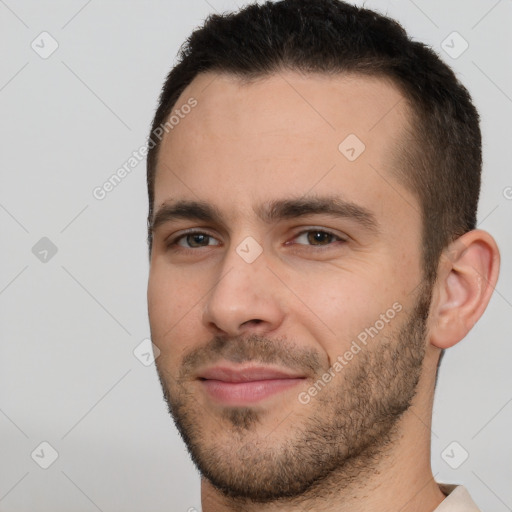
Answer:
(197, 240)
(319, 237)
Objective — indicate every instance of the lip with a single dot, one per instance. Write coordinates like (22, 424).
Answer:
(246, 374)
(246, 385)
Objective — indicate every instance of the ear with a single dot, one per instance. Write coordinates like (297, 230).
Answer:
(467, 274)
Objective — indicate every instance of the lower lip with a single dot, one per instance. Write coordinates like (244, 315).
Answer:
(240, 393)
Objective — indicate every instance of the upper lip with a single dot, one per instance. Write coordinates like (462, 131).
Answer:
(246, 374)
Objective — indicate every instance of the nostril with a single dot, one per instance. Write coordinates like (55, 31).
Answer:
(255, 321)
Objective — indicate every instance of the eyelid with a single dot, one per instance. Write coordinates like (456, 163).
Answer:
(341, 236)
(173, 239)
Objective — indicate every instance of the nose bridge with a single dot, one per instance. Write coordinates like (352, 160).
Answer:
(244, 294)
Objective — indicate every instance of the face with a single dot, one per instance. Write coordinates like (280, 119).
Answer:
(285, 281)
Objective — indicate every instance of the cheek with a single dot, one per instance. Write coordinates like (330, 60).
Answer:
(174, 317)
(174, 305)
(343, 305)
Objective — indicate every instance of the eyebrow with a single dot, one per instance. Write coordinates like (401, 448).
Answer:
(270, 212)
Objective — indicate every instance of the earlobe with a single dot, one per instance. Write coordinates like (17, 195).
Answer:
(467, 274)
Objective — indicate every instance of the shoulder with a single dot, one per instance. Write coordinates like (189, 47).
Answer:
(457, 499)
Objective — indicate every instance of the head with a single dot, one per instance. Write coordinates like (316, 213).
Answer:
(306, 217)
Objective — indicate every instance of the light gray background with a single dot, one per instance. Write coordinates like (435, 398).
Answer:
(68, 375)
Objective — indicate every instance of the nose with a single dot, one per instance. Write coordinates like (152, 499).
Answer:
(246, 299)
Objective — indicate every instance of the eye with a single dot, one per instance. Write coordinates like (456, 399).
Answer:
(317, 237)
(194, 240)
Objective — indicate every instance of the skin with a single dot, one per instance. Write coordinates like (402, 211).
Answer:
(275, 139)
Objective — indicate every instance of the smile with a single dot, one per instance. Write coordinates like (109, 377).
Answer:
(247, 385)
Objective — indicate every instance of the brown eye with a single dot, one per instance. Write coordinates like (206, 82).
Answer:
(316, 237)
(319, 237)
(195, 240)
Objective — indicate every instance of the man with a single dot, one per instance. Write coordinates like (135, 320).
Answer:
(313, 183)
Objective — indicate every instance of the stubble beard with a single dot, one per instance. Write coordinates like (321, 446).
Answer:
(347, 428)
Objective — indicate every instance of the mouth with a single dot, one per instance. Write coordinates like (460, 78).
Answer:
(246, 385)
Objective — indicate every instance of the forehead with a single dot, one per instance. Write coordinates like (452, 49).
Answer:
(287, 133)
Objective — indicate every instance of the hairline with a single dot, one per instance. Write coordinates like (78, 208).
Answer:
(248, 78)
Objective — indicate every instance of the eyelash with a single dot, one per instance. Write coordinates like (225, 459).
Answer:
(174, 242)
